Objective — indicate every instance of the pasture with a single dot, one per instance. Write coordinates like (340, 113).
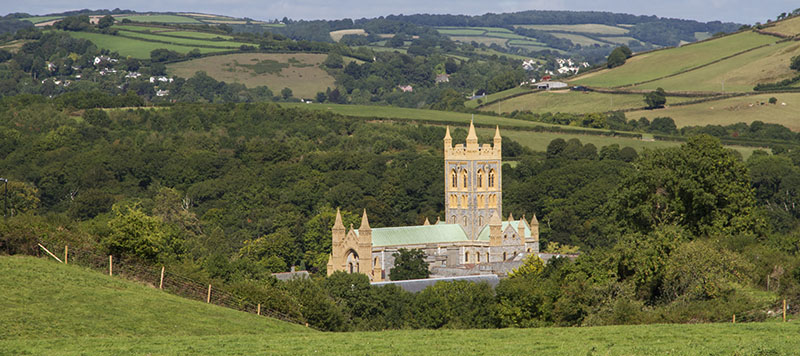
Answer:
(661, 63)
(199, 35)
(578, 39)
(569, 101)
(732, 110)
(300, 72)
(584, 28)
(184, 41)
(159, 18)
(497, 96)
(788, 27)
(737, 74)
(134, 47)
(337, 35)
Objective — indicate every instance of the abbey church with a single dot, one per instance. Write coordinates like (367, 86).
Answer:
(473, 239)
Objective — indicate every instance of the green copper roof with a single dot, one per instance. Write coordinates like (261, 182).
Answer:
(417, 235)
(484, 234)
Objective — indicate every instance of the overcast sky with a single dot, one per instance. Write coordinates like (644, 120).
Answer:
(742, 11)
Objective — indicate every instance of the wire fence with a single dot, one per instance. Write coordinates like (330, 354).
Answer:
(171, 282)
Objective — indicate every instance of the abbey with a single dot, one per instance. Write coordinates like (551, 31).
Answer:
(473, 239)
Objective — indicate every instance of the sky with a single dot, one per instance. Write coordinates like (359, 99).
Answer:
(740, 11)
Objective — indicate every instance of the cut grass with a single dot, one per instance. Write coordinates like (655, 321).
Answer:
(657, 64)
(41, 298)
(337, 35)
(585, 28)
(304, 77)
(184, 41)
(134, 47)
(740, 73)
(159, 18)
(569, 101)
(497, 96)
(578, 39)
(732, 110)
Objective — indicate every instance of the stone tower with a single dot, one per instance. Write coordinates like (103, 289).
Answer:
(473, 181)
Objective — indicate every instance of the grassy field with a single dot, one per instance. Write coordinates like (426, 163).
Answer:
(585, 28)
(497, 96)
(572, 102)
(159, 18)
(739, 74)
(733, 110)
(461, 31)
(41, 298)
(789, 27)
(133, 47)
(297, 71)
(578, 39)
(200, 35)
(657, 64)
(623, 40)
(184, 41)
(480, 39)
(337, 35)
(40, 19)
(142, 28)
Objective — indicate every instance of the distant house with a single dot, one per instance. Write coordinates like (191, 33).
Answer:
(530, 65)
(406, 88)
(162, 92)
(551, 85)
(133, 75)
(101, 59)
(442, 78)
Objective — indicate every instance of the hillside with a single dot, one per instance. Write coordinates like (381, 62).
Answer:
(40, 298)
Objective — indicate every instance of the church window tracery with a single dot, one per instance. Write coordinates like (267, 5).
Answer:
(491, 178)
(454, 178)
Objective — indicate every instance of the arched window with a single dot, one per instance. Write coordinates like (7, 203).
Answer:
(480, 178)
(465, 221)
(453, 220)
(463, 201)
(504, 256)
(491, 178)
(478, 257)
(487, 257)
(375, 262)
(453, 201)
(464, 178)
(480, 218)
(454, 178)
(466, 257)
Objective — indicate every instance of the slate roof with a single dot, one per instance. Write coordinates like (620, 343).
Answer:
(417, 235)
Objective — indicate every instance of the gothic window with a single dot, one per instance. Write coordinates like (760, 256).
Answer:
(464, 178)
(487, 257)
(480, 178)
(463, 201)
(453, 201)
(480, 219)
(504, 256)
(454, 178)
(481, 203)
(466, 257)
(478, 257)
(465, 221)
(453, 220)
(491, 178)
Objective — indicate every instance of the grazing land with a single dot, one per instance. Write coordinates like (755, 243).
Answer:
(194, 34)
(737, 74)
(584, 28)
(578, 39)
(658, 64)
(159, 18)
(134, 47)
(497, 96)
(733, 110)
(788, 27)
(300, 72)
(184, 41)
(572, 102)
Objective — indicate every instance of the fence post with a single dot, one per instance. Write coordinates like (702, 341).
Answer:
(161, 282)
(259, 309)
(110, 265)
(734, 318)
(784, 310)
(66, 254)
(208, 298)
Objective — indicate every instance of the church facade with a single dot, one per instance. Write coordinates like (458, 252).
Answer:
(471, 238)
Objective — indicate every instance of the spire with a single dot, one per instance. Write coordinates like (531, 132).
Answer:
(426, 222)
(364, 222)
(337, 225)
(521, 225)
(534, 221)
(510, 217)
(497, 133)
(472, 138)
(447, 133)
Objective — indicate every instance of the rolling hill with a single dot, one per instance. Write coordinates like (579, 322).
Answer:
(55, 309)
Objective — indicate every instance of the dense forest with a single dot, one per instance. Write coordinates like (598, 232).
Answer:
(231, 192)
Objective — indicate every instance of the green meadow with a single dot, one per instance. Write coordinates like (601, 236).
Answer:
(573, 102)
(134, 47)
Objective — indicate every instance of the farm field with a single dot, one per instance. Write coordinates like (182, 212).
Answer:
(142, 28)
(133, 47)
(496, 96)
(622, 40)
(200, 35)
(297, 71)
(184, 41)
(732, 110)
(480, 39)
(573, 102)
(337, 35)
(159, 18)
(578, 39)
(657, 64)
(40, 19)
(585, 28)
(739, 74)
(789, 27)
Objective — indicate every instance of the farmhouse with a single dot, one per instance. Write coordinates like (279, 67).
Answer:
(471, 240)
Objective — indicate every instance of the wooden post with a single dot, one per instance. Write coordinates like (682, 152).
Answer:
(66, 254)
(784, 310)
(259, 309)
(734, 318)
(50, 253)
(208, 298)
(161, 282)
(110, 265)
